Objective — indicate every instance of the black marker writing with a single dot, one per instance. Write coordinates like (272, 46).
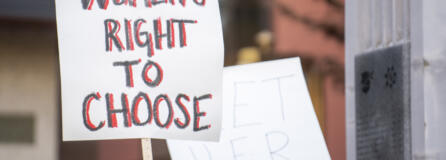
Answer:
(128, 70)
(183, 109)
(135, 108)
(111, 111)
(279, 90)
(86, 112)
(198, 114)
(274, 152)
(157, 102)
(145, 74)
(237, 106)
(112, 28)
(104, 4)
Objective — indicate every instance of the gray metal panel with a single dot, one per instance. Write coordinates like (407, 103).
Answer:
(382, 104)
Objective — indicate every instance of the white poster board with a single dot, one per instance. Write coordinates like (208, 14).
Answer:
(267, 114)
(140, 69)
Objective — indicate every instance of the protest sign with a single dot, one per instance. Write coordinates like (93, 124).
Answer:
(267, 114)
(140, 69)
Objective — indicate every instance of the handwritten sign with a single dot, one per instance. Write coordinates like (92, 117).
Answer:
(140, 69)
(267, 113)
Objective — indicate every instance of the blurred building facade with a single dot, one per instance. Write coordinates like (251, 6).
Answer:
(314, 30)
(28, 91)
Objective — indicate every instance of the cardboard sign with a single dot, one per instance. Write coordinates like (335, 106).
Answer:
(140, 69)
(267, 114)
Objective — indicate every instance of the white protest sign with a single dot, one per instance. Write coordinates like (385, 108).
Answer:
(140, 69)
(267, 114)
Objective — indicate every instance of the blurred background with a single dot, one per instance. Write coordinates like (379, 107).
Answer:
(254, 30)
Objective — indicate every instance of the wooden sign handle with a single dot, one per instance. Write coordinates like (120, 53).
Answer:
(146, 144)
